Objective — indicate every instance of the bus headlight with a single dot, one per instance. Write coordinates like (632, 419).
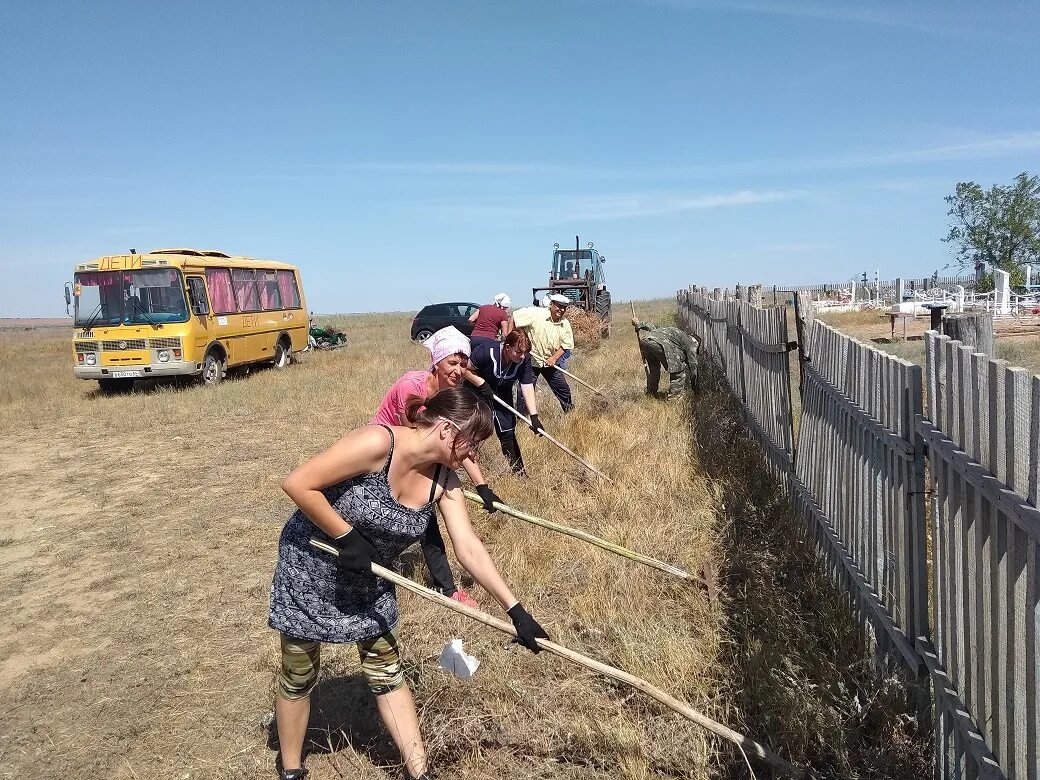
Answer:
(91, 359)
(164, 356)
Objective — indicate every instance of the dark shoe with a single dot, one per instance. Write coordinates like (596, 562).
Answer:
(293, 774)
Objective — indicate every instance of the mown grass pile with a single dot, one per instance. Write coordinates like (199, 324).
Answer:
(587, 327)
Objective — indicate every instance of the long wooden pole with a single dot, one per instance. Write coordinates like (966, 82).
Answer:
(748, 745)
(632, 555)
(546, 435)
(579, 380)
(646, 368)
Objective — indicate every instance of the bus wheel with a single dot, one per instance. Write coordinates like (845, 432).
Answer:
(282, 355)
(115, 386)
(212, 369)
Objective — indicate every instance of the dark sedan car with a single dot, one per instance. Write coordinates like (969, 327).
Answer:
(440, 315)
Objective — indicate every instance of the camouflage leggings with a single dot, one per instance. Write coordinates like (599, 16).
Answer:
(301, 660)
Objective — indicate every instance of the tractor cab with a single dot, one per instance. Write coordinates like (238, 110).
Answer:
(570, 264)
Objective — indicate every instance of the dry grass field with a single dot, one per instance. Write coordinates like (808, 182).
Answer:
(141, 536)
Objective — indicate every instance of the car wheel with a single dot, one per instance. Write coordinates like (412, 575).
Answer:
(281, 355)
(423, 334)
(212, 369)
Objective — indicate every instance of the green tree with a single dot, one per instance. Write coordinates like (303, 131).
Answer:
(1000, 227)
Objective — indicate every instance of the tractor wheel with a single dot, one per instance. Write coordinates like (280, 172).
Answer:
(603, 312)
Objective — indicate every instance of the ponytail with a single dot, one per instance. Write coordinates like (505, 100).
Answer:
(459, 406)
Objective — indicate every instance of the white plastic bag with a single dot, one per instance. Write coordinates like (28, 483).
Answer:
(455, 660)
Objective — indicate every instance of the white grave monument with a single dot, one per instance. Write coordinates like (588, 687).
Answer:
(1001, 292)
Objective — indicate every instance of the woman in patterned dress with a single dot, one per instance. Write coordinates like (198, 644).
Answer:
(371, 495)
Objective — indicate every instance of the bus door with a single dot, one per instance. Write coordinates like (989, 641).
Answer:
(203, 331)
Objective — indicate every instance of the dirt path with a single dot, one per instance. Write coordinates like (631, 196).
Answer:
(108, 628)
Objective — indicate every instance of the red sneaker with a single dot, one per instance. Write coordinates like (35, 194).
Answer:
(465, 599)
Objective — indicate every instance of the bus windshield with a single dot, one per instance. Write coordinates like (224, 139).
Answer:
(147, 297)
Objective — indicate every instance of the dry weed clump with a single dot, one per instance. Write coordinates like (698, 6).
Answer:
(587, 327)
(143, 532)
(799, 665)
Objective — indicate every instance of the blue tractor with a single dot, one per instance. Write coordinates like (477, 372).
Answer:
(578, 274)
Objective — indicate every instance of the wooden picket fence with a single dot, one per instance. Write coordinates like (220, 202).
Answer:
(962, 612)
(982, 433)
(750, 345)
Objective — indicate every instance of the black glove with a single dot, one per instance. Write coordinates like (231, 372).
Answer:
(486, 391)
(355, 551)
(487, 495)
(527, 628)
(536, 425)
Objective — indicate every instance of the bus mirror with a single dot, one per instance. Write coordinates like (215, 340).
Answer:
(68, 298)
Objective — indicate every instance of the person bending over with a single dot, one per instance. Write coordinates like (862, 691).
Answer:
(449, 352)
(500, 366)
(371, 495)
(671, 348)
(551, 336)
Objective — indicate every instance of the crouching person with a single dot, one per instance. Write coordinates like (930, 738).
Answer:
(672, 348)
(371, 495)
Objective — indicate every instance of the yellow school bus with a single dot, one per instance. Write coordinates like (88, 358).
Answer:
(182, 313)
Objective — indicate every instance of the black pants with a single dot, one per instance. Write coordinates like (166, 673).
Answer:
(557, 383)
(437, 558)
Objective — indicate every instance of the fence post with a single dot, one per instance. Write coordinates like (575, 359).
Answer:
(974, 329)
(803, 315)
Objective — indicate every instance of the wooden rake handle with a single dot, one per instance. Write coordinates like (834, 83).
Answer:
(579, 380)
(748, 745)
(587, 537)
(547, 435)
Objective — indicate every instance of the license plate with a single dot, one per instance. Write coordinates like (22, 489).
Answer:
(127, 374)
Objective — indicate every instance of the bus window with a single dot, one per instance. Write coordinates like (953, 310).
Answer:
(290, 295)
(270, 298)
(245, 289)
(221, 293)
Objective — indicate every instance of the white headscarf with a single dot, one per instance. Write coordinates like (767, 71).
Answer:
(447, 341)
(503, 300)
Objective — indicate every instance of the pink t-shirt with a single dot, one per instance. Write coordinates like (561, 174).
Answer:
(391, 410)
(489, 320)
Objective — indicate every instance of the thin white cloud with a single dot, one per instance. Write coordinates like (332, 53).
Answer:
(610, 207)
(907, 17)
(1021, 143)
(999, 146)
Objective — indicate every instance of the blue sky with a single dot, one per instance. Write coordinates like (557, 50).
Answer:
(411, 151)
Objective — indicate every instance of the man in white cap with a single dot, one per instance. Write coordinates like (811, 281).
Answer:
(490, 320)
(551, 337)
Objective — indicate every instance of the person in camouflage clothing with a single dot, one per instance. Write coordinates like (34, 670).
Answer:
(668, 347)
